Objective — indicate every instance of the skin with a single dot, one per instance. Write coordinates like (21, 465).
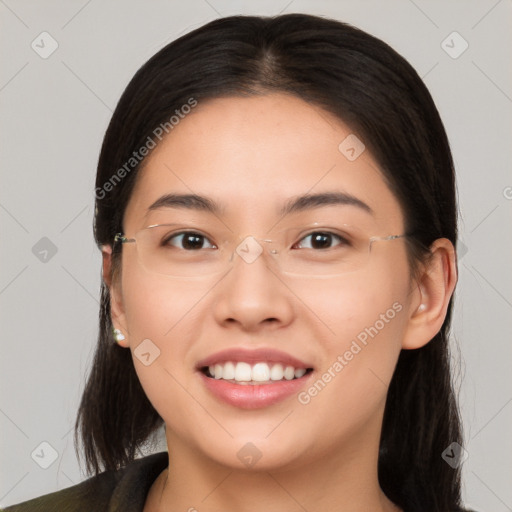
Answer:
(319, 456)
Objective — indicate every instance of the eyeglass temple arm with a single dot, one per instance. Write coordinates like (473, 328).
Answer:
(119, 237)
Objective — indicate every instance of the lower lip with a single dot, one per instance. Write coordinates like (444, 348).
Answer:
(253, 396)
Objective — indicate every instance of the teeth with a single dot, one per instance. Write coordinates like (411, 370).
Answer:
(228, 372)
(277, 372)
(299, 372)
(242, 372)
(218, 371)
(289, 372)
(259, 372)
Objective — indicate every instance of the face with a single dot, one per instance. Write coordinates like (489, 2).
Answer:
(252, 157)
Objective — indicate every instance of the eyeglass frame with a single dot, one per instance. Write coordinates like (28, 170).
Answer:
(119, 237)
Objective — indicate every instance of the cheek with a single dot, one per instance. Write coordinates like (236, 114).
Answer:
(157, 311)
(358, 307)
(366, 317)
(363, 309)
(155, 305)
(160, 315)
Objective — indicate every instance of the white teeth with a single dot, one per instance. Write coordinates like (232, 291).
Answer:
(277, 372)
(242, 372)
(289, 372)
(228, 372)
(259, 372)
(299, 372)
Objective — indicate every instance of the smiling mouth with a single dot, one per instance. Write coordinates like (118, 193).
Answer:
(254, 374)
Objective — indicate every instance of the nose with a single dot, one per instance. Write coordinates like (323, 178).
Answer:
(253, 295)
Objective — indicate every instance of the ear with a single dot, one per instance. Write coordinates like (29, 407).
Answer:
(429, 302)
(116, 302)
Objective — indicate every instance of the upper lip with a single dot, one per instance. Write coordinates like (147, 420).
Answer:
(261, 355)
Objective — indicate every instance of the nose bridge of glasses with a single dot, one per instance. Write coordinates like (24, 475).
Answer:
(250, 248)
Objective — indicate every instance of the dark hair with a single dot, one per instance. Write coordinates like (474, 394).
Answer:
(372, 89)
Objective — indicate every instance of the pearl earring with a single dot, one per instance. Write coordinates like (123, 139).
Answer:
(422, 307)
(118, 335)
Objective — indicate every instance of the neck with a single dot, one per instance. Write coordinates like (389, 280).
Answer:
(346, 482)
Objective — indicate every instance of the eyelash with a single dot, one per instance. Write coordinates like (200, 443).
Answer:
(340, 238)
(166, 240)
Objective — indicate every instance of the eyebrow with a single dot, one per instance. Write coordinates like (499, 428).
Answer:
(311, 201)
(293, 205)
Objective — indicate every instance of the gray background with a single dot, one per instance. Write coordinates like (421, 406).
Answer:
(54, 112)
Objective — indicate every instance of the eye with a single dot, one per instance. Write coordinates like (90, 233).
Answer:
(321, 240)
(188, 241)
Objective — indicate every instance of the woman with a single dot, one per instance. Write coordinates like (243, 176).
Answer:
(277, 216)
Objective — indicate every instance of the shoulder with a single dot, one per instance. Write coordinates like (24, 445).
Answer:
(123, 490)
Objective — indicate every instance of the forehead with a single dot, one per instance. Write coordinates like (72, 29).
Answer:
(252, 154)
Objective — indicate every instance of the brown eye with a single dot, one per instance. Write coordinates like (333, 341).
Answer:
(189, 241)
(321, 240)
